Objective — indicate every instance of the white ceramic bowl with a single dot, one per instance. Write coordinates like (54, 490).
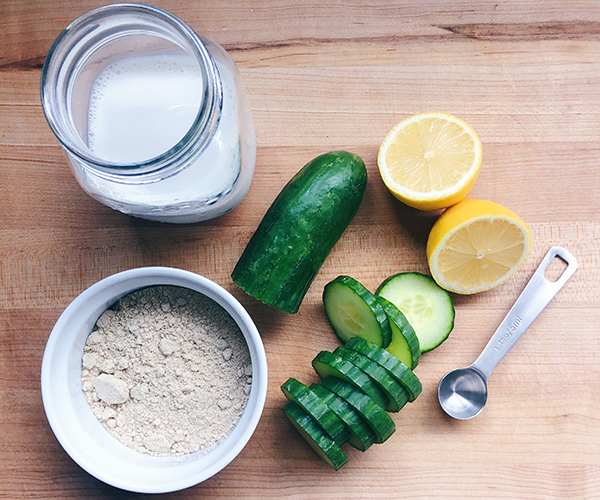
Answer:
(81, 434)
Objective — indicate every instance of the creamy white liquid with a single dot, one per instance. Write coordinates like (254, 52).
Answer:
(143, 106)
(140, 107)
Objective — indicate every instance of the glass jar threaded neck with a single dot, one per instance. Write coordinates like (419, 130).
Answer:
(90, 44)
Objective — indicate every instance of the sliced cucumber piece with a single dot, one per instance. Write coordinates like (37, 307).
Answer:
(405, 344)
(394, 390)
(391, 363)
(353, 311)
(315, 436)
(327, 364)
(426, 305)
(361, 435)
(373, 414)
(306, 399)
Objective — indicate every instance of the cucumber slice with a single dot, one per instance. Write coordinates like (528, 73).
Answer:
(373, 414)
(426, 305)
(306, 399)
(315, 436)
(391, 363)
(353, 311)
(405, 344)
(361, 435)
(327, 364)
(394, 390)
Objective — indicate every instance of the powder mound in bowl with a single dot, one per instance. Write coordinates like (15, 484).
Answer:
(167, 371)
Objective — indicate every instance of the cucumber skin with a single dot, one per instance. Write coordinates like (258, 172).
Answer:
(365, 406)
(390, 362)
(357, 377)
(363, 437)
(300, 228)
(336, 457)
(397, 394)
(325, 417)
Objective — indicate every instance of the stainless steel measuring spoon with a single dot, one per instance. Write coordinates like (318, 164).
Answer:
(463, 392)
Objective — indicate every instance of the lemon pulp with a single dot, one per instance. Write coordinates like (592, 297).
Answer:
(476, 245)
(431, 160)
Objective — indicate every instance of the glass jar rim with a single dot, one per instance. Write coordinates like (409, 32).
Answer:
(199, 133)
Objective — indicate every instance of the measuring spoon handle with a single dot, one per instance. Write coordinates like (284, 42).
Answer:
(533, 299)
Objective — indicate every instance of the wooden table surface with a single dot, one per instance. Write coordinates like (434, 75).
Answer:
(323, 76)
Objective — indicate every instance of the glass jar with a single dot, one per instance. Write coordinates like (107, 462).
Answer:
(154, 119)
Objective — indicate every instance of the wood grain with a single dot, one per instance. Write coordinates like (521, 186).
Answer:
(322, 76)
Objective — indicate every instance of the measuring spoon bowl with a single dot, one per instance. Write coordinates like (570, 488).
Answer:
(463, 393)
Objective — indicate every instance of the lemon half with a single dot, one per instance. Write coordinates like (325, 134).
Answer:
(430, 160)
(476, 245)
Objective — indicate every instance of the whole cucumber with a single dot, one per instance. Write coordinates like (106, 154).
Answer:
(300, 228)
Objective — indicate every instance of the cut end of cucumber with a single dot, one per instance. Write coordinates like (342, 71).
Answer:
(290, 303)
(427, 307)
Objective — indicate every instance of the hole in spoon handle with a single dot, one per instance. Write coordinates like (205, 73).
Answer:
(568, 258)
(532, 301)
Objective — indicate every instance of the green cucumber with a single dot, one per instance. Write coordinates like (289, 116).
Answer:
(353, 311)
(300, 228)
(405, 344)
(373, 414)
(391, 363)
(394, 390)
(327, 364)
(315, 436)
(361, 435)
(426, 305)
(306, 399)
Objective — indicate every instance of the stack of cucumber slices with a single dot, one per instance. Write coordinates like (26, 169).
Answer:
(384, 335)
(359, 382)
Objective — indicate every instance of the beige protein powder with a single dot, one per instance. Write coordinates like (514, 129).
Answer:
(167, 371)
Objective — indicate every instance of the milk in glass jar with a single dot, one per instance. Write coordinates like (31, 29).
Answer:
(153, 118)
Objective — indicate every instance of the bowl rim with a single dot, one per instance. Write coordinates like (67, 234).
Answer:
(156, 275)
